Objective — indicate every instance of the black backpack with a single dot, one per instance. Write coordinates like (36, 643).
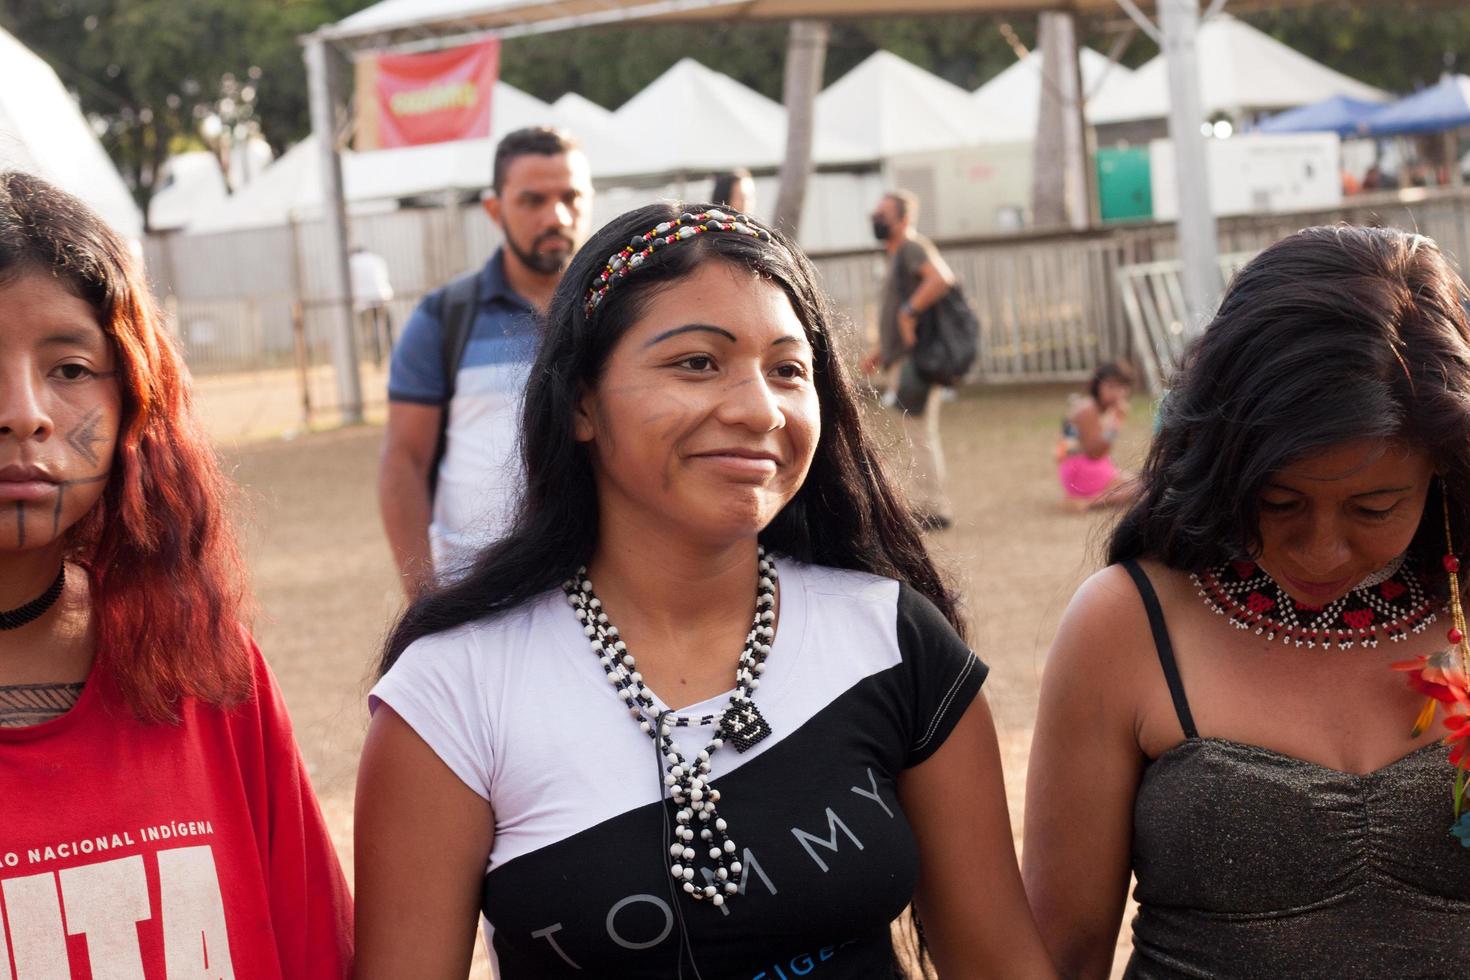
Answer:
(458, 302)
(947, 340)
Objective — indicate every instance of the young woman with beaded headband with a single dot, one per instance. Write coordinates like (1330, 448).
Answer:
(1219, 715)
(555, 742)
(157, 814)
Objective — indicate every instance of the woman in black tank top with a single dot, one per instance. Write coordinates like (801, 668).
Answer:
(1219, 716)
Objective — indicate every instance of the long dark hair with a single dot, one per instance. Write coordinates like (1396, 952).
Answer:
(168, 585)
(1331, 334)
(845, 515)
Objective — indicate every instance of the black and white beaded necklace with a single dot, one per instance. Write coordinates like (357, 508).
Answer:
(687, 780)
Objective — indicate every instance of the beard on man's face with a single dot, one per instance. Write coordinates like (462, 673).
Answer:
(547, 263)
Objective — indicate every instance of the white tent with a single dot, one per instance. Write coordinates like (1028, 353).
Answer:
(887, 106)
(290, 188)
(1006, 107)
(581, 112)
(1242, 70)
(42, 131)
(691, 118)
(193, 185)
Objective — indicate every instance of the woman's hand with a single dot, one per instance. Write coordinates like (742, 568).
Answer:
(421, 841)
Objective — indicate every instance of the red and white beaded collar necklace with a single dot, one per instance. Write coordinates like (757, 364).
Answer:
(1393, 602)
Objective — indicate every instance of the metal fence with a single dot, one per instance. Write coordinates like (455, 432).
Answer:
(1049, 306)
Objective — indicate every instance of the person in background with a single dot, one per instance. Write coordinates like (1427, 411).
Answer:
(1084, 453)
(1228, 712)
(157, 814)
(917, 278)
(372, 291)
(734, 189)
(449, 475)
(555, 744)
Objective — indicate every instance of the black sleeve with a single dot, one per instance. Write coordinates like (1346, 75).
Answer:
(942, 673)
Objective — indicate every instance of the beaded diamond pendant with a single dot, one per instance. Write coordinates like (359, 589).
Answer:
(743, 725)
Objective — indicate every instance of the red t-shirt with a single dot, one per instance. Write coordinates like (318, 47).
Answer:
(133, 851)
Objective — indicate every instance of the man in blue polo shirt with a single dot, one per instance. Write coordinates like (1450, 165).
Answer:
(542, 203)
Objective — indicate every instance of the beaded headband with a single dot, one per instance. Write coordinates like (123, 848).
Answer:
(682, 228)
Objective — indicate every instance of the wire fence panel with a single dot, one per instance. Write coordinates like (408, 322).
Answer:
(1050, 306)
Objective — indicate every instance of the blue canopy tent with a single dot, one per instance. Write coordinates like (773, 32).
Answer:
(1340, 114)
(1444, 106)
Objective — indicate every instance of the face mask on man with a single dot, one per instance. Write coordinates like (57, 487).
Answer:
(881, 229)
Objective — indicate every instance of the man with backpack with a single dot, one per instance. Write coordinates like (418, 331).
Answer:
(926, 342)
(450, 471)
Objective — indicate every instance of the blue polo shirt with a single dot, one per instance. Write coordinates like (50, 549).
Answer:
(480, 479)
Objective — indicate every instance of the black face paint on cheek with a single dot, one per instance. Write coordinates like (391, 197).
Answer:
(61, 498)
(85, 436)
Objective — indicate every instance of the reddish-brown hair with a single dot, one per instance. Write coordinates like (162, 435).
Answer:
(167, 581)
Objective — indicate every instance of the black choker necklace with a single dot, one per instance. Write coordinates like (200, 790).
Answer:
(14, 619)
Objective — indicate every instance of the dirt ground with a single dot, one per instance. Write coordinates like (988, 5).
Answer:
(327, 592)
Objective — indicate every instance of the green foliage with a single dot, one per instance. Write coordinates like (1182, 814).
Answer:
(1400, 47)
(148, 71)
(609, 65)
(1396, 46)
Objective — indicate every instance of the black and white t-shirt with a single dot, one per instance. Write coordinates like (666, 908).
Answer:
(865, 678)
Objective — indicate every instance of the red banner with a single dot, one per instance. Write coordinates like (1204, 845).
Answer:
(435, 97)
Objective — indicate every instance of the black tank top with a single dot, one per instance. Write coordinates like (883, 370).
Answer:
(1255, 864)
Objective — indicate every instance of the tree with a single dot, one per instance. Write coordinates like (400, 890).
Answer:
(609, 65)
(1400, 47)
(149, 72)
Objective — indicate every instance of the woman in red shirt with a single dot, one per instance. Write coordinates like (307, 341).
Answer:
(158, 819)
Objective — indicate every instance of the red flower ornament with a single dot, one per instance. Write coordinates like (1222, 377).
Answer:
(1438, 677)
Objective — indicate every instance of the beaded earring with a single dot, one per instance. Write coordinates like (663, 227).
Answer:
(1457, 680)
(1443, 678)
(1457, 631)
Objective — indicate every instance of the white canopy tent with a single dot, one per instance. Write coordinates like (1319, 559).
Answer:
(287, 190)
(692, 118)
(42, 131)
(735, 126)
(194, 185)
(887, 106)
(409, 24)
(291, 188)
(1242, 70)
(403, 22)
(1005, 108)
(581, 111)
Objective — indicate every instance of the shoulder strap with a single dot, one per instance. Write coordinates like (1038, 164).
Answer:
(1165, 648)
(457, 317)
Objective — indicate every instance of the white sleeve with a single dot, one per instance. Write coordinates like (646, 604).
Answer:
(438, 689)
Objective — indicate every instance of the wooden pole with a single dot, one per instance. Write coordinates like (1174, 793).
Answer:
(806, 55)
(1199, 246)
(1059, 189)
(334, 215)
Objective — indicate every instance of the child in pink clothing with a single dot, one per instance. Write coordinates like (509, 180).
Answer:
(1084, 463)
